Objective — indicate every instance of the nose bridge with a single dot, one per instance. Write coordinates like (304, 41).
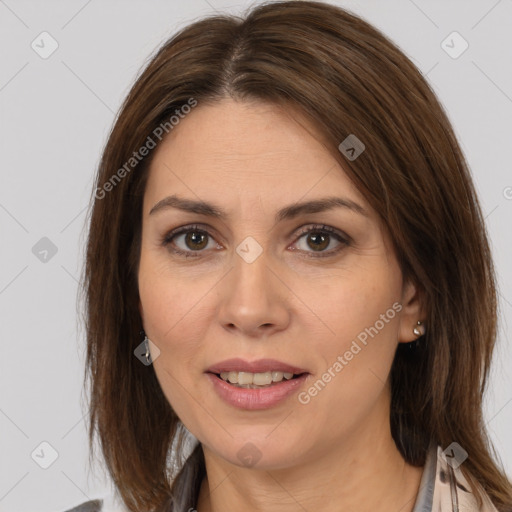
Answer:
(251, 266)
(251, 297)
(250, 250)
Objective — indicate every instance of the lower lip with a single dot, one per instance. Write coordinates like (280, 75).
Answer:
(254, 399)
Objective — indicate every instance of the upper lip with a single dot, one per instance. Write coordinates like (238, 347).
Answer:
(258, 366)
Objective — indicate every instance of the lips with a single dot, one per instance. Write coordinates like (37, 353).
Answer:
(256, 399)
(258, 396)
(258, 366)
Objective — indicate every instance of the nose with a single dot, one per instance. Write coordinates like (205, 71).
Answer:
(254, 299)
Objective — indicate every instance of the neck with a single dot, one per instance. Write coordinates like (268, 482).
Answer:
(366, 473)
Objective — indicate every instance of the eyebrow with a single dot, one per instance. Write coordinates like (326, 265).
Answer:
(288, 212)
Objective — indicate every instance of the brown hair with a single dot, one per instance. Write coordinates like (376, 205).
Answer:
(346, 78)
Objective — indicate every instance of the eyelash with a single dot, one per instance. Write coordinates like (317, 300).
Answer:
(315, 228)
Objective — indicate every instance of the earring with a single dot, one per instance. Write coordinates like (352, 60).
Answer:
(148, 355)
(146, 346)
(417, 330)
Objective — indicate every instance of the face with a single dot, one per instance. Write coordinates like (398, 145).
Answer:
(317, 290)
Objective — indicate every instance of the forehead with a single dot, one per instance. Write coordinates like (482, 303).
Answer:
(246, 151)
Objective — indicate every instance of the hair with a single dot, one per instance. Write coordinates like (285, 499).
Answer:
(345, 77)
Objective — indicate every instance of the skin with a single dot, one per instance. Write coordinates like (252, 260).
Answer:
(335, 452)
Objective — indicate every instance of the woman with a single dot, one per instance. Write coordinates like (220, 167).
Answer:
(287, 259)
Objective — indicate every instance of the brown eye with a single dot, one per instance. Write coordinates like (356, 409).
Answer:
(318, 241)
(319, 237)
(195, 240)
(187, 240)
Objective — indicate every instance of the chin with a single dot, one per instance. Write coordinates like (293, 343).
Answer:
(256, 450)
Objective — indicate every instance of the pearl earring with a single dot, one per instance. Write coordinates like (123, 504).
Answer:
(417, 330)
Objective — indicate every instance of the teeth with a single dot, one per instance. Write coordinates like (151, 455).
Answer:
(245, 378)
(260, 379)
(256, 379)
(277, 376)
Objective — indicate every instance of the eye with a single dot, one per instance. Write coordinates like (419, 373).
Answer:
(193, 240)
(319, 237)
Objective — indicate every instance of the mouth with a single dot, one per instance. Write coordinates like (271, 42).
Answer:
(255, 385)
(260, 380)
(255, 374)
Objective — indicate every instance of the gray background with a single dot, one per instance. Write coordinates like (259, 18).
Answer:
(55, 116)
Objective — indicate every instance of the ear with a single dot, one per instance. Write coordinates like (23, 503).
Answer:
(413, 310)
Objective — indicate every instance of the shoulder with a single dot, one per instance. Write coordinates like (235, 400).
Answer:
(88, 506)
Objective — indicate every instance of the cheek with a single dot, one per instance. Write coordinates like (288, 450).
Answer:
(175, 319)
(169, 295)
(360, 320)
(171, 325)
(171, 318)
(348, 305)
